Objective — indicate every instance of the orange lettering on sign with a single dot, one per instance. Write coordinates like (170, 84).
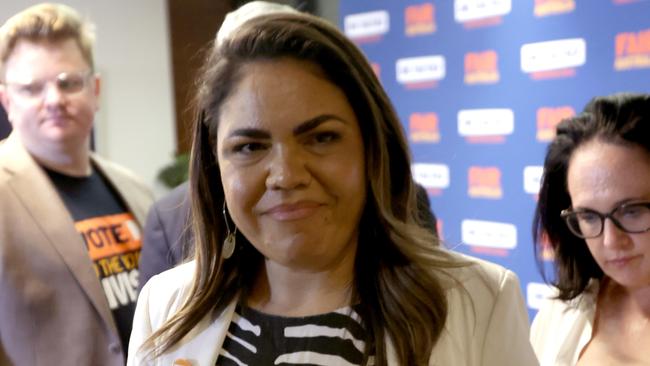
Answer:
(629, 43)
(548, 118)
(481, 61)
(424, 121)
(481, 67)
(488, 176)
(419, 19)
(551, 7)
(632, 50)
(485, 182)
(424, 127)
(419, 13)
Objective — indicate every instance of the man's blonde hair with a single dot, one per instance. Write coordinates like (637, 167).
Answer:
(47, 22)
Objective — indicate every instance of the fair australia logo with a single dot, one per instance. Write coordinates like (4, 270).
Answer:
(489, 237)
(632, 50)
(367, 27)
(548, 118)
(434, 177)
(420, 72)
(424, 127)
(419, 19)
(486, 125)
(481, 67)
(484, 182)
(553, 59)
(480, 13)
(532, 179)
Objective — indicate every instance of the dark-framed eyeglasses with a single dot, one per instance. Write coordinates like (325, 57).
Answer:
(632, 217)
(68, 83)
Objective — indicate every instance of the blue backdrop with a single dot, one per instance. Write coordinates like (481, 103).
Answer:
(480, 85)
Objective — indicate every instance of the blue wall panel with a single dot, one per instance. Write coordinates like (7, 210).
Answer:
(493, 61)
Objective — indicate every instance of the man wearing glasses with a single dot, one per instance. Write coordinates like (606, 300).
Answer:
(69, 220)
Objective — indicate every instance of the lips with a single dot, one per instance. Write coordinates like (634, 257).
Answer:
(621, 261)
(56, 119)
(293, 211)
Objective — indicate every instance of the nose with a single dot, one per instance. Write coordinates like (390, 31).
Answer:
(613, 236)
(52, 95)
(287, 169)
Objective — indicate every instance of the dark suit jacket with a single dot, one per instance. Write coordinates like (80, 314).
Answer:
(167, 235)
(53, 310)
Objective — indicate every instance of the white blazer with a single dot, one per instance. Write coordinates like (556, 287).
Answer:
(562, 329)
(487, 323)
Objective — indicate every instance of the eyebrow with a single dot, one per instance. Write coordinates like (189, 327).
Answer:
(302, 128)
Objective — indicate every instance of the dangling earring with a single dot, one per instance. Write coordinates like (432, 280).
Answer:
(229, 242)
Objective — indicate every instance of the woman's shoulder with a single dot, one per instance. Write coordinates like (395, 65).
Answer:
(559, 324)
(555, 310)
(476, 276)
(487, 319)
(167, 291)
(478, 290)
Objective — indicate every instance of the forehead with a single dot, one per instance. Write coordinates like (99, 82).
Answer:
(33, 57)
(282, 91)
(604, 173)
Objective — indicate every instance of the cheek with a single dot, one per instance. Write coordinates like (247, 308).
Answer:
(240, 193)
(594, 247)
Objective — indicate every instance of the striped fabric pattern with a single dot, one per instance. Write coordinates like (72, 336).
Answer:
(255, 338)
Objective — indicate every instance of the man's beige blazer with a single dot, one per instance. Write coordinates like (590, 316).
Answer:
(53, 310)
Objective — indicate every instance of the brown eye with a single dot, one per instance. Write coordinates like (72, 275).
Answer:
(325, 137)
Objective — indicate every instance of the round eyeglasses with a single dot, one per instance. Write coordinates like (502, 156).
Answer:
(631, 217)
(68, 83)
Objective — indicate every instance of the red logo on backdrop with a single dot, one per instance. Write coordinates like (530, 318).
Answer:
(481, 67)
(423, 127)
(485, 182)
(552, 7)
(548, 119)
(419, 19)
(632, 50)
(376, 69)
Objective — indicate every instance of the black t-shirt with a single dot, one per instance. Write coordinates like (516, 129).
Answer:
(112, 238)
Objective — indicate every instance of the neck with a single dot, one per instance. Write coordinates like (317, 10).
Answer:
(286, 291)
(73, 161)
(633, 301)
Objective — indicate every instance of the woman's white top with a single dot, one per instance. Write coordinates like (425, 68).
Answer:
(562, 329)
(487, 323)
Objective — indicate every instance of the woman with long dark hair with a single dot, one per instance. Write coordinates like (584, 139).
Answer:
(594, 211)
(309, 249)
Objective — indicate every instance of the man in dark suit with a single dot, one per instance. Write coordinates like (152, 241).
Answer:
(167, 234)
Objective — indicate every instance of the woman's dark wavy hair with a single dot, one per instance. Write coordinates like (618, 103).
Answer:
(399, 294)
(620, 119)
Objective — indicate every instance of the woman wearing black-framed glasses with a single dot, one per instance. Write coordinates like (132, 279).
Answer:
(594, 212)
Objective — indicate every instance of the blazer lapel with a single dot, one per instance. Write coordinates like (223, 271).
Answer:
(48, 213)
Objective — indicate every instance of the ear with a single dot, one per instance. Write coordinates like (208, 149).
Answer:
(96, 85)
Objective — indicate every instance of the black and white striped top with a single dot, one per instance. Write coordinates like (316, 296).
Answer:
(255, 338)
